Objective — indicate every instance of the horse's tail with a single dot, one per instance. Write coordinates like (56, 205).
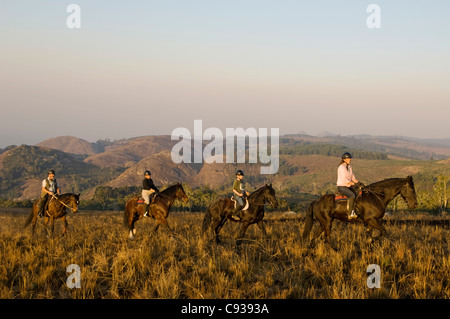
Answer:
(125, 219)
(206, 220)
(127, 211)
(309, 221)
(29, 219)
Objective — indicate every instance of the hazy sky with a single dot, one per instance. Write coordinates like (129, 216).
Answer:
(147, 67)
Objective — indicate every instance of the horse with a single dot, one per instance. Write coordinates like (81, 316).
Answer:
(221, 210)
(55, 208)
(370, 205)
(158, 209)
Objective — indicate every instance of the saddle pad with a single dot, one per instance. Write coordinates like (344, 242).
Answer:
(235, 203)
(338, 196)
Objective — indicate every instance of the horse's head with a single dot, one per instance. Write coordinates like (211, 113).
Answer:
(270, 195)
(74, 200)
(180, 194)
(408, 193)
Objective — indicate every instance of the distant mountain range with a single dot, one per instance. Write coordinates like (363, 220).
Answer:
(307, 163)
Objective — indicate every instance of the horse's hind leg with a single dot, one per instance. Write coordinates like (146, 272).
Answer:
(217, 226)
(316, 235)
(33, 224)
(132, 230)
(328, 236)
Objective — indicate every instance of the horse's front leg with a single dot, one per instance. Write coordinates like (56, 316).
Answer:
(262, 227)
(373, 224)
(161, 220)
(65, 224)
(52, 226)
(241, 234)
(45, 225)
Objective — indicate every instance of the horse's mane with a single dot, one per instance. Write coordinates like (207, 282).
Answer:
(258, 190)
(385, 183)
(66, 195)
(170, 189)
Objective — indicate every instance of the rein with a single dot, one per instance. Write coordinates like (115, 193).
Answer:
(258, 204)
(53, 196)
(376, 194)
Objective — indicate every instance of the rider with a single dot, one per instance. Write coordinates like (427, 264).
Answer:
(239, 193)
(49, 188)
(148, 188)
(345, 179)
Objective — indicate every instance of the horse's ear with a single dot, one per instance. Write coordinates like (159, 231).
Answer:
(409, 178)
(79, 195)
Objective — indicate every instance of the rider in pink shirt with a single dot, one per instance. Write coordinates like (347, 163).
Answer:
(345, 179)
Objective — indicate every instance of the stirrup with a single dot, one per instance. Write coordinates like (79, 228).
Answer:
(352, 215)
(235, 218)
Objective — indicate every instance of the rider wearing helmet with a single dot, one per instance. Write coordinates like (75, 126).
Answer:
(345, 179)
(239, 193)
(49, 188)
(148, 189)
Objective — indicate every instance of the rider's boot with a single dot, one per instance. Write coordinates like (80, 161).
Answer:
(146, 210)
(350, 209)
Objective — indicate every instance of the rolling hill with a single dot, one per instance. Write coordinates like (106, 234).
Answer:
(307, 164)
(69, 144)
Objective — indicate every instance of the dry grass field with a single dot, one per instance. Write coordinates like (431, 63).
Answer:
(414, 261)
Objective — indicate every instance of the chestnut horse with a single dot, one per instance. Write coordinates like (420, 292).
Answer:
(55, 208)
(158, 209)
(370, 205)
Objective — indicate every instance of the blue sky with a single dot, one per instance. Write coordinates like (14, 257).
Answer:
(151, 66)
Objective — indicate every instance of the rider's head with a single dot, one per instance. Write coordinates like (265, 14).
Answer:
(346, 158)
(51, 174)
(147, 174)
(240, 174)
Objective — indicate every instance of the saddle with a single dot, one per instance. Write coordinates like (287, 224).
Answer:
(141, 200)
(235, 203)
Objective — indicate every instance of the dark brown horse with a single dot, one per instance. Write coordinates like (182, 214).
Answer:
(55, 208)
(221, 210)
(370, 205)
(159, 209)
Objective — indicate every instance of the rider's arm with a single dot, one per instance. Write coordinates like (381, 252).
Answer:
(45, 189)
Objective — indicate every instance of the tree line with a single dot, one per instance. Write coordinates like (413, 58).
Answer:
(326, 149)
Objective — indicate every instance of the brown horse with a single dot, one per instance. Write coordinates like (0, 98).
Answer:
(221, 210)
(370, 205)
(55, 208)
(158, 209)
